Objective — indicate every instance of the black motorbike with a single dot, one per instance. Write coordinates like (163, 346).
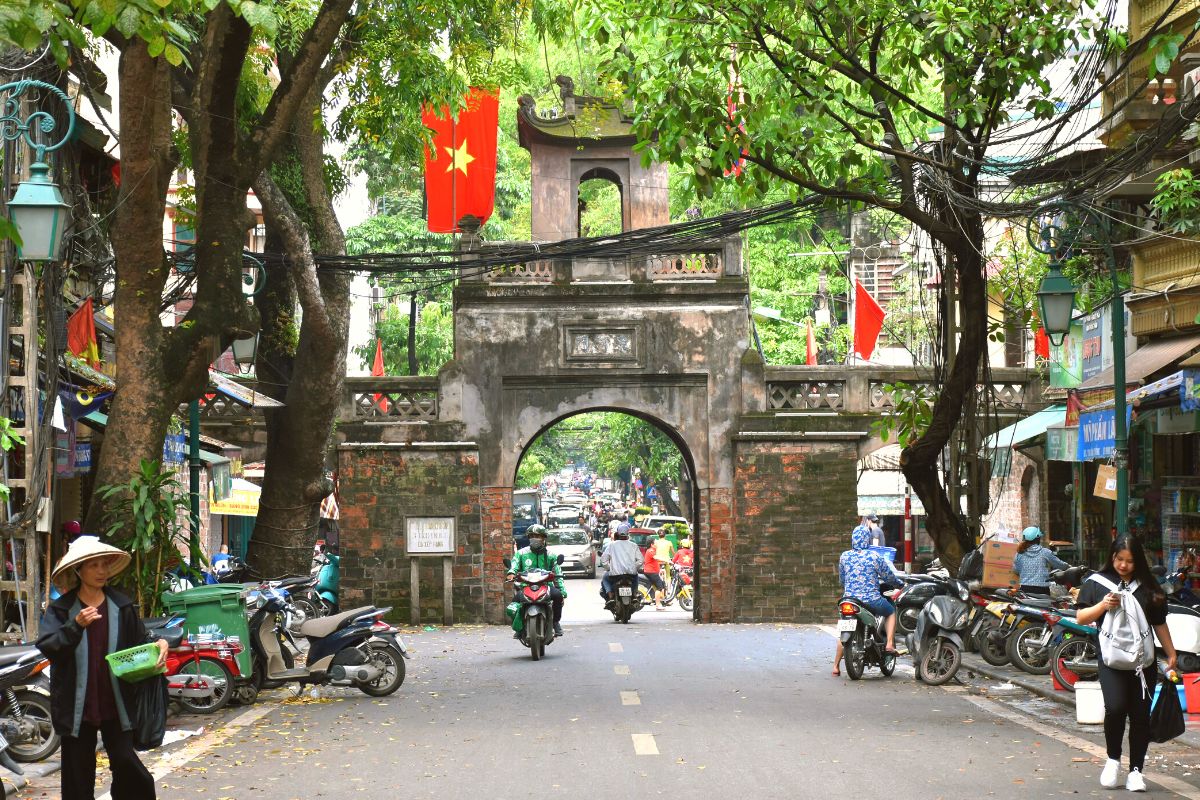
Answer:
(625, 599)
(864, 637)
(937, 643)
(917, 591)
(535, 605)
(26, 731)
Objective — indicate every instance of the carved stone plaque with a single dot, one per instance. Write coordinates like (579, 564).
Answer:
(594, 344)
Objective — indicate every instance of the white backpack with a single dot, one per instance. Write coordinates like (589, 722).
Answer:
(1126, 640)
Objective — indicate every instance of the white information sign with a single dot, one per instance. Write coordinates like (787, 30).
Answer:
(430, 535)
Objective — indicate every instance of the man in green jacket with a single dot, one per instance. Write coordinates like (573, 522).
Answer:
(535, 557)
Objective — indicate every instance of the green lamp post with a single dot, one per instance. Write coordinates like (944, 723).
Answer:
(36, 209)
(1060, 227)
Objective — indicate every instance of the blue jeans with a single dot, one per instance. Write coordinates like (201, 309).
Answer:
(881, 608)
(606, 584)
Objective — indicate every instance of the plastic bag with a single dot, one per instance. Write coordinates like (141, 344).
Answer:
(149, 713)
(1166, 718)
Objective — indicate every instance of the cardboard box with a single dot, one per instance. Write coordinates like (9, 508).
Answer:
(997, 564)
(1106, 482)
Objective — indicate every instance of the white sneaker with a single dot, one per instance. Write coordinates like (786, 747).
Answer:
(1135, 782)
(1108, 777)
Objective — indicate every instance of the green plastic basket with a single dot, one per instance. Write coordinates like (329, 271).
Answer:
(136, 663)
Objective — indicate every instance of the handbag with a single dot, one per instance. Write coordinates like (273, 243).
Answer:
(1166, 718)
(150, 713)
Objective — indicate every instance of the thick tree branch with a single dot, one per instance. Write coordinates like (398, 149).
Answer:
(296, 81)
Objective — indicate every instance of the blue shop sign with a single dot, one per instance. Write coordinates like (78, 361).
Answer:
(1098, 433)
(174, 448)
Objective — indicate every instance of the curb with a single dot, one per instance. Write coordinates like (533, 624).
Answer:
(1000, 674)
(40, 769)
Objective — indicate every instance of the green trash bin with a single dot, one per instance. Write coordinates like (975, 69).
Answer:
(215, 609)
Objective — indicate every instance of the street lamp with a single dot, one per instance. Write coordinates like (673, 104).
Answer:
(1055, 230)
(37, 209)
(1056, 303)
(244, 353)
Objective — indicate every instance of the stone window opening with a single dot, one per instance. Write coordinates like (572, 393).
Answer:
(600, 204)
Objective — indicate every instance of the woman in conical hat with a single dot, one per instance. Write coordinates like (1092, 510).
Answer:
(89, 621)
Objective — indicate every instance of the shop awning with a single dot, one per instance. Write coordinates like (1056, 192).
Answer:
(242, 500)
(1026, 429)
(1178, 387)
(886, 458)
(1148, 359)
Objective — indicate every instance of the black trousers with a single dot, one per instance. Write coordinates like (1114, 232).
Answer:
(1124, 699)
(131, 780)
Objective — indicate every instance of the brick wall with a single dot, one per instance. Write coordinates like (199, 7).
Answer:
(379, 488)
(496, 513)
(1011, 506)
(794, 504)
(715, 562)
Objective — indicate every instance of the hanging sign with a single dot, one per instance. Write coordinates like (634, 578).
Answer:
(1066, 360)
(1098, 433)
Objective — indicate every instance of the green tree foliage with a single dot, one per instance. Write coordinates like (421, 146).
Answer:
(144, 518)
(608, 442)
(434, 342)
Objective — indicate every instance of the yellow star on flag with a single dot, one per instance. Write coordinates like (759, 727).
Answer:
(459, 158)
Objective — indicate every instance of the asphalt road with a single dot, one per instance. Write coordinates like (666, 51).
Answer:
(659, 707)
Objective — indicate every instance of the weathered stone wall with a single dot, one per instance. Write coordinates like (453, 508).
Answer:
(381, 486)
(794, 505)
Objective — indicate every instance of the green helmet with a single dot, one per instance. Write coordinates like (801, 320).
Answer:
(536, 530)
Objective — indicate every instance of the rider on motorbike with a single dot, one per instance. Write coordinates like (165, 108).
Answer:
(535, 557)
(621, 557)
(862, 571)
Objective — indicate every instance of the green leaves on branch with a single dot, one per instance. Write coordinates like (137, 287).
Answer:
(145, 516)
(911, 413)
(1177, 201)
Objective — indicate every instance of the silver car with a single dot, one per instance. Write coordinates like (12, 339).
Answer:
(577, 549)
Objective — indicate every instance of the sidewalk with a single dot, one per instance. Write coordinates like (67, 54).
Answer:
(1043, 686)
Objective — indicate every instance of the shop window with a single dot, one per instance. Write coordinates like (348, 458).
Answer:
(1001, 463)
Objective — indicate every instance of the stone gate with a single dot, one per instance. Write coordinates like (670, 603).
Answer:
(665, 336)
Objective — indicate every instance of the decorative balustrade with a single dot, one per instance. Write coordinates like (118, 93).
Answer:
(392, 399)
(684, 266)
(864, 389)
(531, 272)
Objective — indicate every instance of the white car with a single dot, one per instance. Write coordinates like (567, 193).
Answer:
(560, 514)
(656, 521)
(575, 545)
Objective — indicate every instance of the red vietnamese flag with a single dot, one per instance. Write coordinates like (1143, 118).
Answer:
(81, 334)
(460, 165)
(868, 321)
(810, 350)
(377, 371)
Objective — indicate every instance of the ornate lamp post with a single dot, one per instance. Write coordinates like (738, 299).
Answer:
(37, 209)
(1060, 228)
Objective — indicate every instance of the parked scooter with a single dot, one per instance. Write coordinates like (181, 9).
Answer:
(27, 732)
(202, 670)
(354, 648)
(863, 638)
(626, 599)
(534, 608)
(912, 597)
(936, 645)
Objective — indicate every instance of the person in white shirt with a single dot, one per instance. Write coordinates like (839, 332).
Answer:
(620, 557)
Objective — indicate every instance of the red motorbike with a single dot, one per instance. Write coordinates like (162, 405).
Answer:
(202, 670)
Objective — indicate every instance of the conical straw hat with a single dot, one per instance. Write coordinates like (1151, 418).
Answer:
(83, 549)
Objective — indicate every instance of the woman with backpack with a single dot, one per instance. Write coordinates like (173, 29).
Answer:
(1125, 601)
(1033, 563)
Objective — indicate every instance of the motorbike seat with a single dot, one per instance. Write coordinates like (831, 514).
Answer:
(321, 627)
(287, 583)
(11, 653)
(1037, 602)
(1175, 608)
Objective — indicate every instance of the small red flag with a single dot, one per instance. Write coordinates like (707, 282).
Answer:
(868, 321)
(377, 371)
(81, 334)
(810, 353)
(1041, 342)
(460, 165)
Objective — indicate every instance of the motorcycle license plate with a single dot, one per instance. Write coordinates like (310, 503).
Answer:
(849, 624)
(625, 591)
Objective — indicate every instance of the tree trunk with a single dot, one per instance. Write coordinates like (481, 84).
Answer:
(298, 438)
(919, 461)
(144, 402)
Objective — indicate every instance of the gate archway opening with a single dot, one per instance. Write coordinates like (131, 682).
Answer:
(601, 204)
(579, 473)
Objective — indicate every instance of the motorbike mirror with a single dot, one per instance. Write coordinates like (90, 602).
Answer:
(507, 563)
(560, 559)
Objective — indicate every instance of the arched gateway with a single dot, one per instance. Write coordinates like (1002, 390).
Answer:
(663, 335)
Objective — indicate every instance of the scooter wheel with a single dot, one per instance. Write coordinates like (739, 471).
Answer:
(940, 662)
(391, 662)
